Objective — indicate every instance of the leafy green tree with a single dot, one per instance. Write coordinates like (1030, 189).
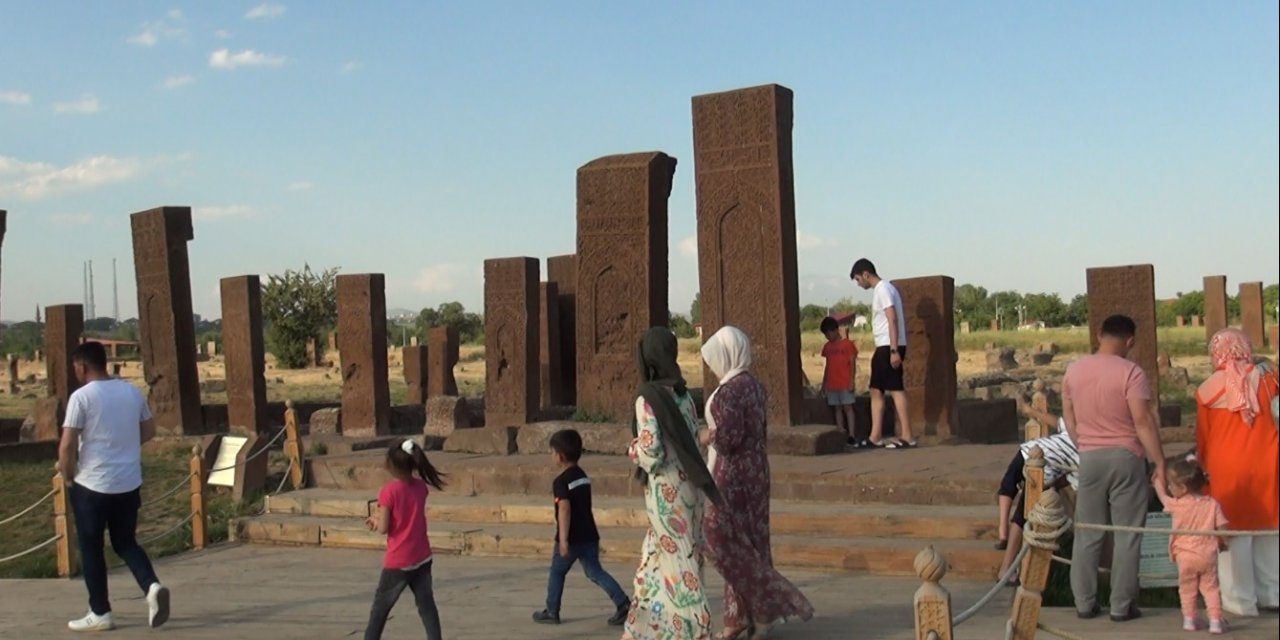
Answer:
(297, 307)
(22, 339)
(1270, 298)
(695, 309)
(1078, 311)
(470, 326)
(1045, 307)
(681, 326)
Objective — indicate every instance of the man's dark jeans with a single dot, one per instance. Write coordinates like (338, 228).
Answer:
(96, 513)
(589, 555)
(390, 585)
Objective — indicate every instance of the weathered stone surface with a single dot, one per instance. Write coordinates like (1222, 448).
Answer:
(48, 413)
(550, 368)
(327, 421)
(446, 414)
(490, 440)
(597, 437)
(1195, 321)
(408, 419)
(1170, 415)
(622, 273)
(1002, 359)
(362, 343)
(1215, 304)
(245, 354)
(1041, 359)
(1131, 291)
(988, 421)
(165, 321)
(13, 375)
(442, 356)
(64, 324)
(215, 385)
(563, 271)
(1252, 317)
(511, 341)
(747, 235)
(415, 373)
(806, 440)
(929, 370)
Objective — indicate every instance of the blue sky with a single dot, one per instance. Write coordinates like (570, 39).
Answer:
(1006, 144)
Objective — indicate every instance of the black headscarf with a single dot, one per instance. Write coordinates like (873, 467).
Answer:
(660, 375)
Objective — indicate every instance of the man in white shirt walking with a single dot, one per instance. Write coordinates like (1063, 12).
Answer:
(889, 328)
(100, 458)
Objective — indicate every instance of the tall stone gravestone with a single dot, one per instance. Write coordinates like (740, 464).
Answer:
(64, 323)
(1215, 305)
(415, 373)
(166, 325)
(4, 222)
(549, 364)
(245, 354)
(442, 356)
(622, 274)
(929, 373)
(362, 343)
(563, 272)
(511, 342)
(1252, 317)
(1130, 291)
(747, 234)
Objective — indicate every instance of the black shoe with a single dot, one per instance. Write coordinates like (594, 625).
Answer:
(620, 616)
(546, 617)
(1090, 614)
(853, 442)
(1133, 614)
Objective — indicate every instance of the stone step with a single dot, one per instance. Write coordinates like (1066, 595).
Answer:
(786, 517)
(952, 475)
(876, 556)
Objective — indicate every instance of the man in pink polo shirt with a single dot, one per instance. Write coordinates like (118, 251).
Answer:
(1106, 402)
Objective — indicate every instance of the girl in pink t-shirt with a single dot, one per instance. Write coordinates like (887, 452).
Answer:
(1196, 555)
(402, 517)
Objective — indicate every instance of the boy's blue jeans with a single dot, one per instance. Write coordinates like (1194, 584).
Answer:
(587, 553)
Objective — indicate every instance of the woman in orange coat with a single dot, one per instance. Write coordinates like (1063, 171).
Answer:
(1238, 444)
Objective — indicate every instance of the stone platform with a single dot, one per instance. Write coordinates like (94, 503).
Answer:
(254, 592)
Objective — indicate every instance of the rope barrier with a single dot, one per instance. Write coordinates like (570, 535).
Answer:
(260, 452)
(28, 509)
(986, 599)
(31, 550)
(1065, 635)
(181, 483)
(169, 530)
(1225, 533)
(1050, 520)
(284, 479)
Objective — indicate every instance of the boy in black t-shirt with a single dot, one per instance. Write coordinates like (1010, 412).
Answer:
(577, 539)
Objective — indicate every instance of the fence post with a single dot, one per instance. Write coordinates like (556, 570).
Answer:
(199, 519)
(293, 445)
(63, 527)
(1034, 574)
(932, 602)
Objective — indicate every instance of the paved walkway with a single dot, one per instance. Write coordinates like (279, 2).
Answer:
(282, 593)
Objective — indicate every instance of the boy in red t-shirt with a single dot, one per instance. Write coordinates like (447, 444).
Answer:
(839, 374)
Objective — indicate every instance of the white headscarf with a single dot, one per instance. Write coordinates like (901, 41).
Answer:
(728, 354)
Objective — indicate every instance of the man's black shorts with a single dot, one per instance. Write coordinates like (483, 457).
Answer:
(883, 376)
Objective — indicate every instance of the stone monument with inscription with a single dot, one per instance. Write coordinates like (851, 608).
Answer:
(549, 365)
(929, 372)
(415, 373)
(563, 272)
(244, 354)
(442, 356)
(747, 235)
(64, 324)
(362, 343)
(511, 342)
(622, 274)
(1131, 291)
(1253, 320)
(1215, 305)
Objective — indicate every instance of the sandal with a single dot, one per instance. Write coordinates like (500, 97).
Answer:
(901, 444)
(1002, 545)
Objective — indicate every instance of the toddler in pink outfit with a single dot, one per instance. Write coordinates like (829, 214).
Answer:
(1196, 556)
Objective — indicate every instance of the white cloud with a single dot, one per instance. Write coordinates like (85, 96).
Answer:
(349, 66)
(225, 59)
(689, 246)
(175, 82)
(86, 103)
(299, 186)
(175, 14)
(223, 212)
(222, 34)
(151, 33)
(34, 180)
(17, 98)
(145, 38)
(806, 242)
(441, 278)
(264, 11)
(71, 219)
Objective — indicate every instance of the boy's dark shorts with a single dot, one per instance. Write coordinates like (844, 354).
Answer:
(883, 376)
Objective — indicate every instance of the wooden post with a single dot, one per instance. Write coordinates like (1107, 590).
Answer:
(1035, 567)
(293, 446)
(932, 602)
(199, 519)
(64, 528)
(1033, 430)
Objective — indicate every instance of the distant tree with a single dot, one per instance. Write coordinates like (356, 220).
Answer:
(811, 316)
(1078, 311)
(681, 326)
(99, 327)
(1270, 298)
(1045, 307)
(297, 306)
(470, 326)
(695, 309)
(22, 339)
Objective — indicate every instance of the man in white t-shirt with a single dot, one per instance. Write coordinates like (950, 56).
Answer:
(100, 458)
(889, 328)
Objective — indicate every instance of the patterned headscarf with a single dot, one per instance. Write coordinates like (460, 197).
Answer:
(1232, 354)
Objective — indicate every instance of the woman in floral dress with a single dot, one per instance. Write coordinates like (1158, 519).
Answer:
(755, 594)
(669, 601)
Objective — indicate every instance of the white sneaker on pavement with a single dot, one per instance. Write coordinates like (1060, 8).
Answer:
(93, 622)
(157, 604)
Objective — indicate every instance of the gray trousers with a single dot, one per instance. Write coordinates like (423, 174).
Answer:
(1114, 489)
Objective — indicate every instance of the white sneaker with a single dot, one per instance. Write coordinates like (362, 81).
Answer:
(157, 604)
(1217, 627)
(93, 622)
(1189, 624)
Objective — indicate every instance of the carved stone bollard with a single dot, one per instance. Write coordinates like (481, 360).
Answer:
(293, 446)
(199, 518)
(932, 602)
(1046, 520)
